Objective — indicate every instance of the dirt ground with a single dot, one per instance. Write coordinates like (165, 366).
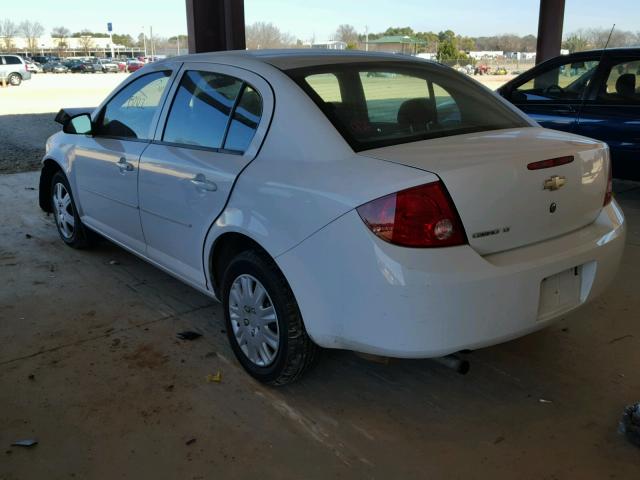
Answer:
(90, 367)
(27, 111)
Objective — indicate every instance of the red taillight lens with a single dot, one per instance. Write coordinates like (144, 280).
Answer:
(608, 194)
(422, 216)
(552, 162)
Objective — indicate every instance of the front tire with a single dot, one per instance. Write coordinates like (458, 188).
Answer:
(264, 323)
(70, 228)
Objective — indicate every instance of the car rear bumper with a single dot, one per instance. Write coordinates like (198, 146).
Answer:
(359, 293)
(26, 75)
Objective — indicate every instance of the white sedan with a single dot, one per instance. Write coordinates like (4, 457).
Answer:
(369, 202)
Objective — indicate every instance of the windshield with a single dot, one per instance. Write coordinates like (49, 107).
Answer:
(380, 104)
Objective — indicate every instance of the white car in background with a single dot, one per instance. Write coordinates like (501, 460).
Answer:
(340, 199)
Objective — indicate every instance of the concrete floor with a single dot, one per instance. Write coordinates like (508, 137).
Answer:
(90, 366)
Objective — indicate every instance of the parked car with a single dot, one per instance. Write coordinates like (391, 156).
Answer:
(33, 67)
(80, 66)
(594, 93)
(106, 66)
(133, 66)
(408, 214)
(14, 69)
(54, 67)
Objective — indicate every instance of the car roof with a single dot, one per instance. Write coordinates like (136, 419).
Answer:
(286, 59)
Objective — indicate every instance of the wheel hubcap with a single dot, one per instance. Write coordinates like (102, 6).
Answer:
(63, 210)
(254, 320)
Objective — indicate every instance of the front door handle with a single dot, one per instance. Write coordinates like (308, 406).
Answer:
(201, 183)
(124, 166)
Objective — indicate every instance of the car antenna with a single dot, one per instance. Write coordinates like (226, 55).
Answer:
(584, 96)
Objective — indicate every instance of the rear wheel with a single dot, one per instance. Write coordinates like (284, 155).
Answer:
(71, 230)
(15, 79)
(264, 324)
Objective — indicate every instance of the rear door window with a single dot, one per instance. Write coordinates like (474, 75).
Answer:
(201, 108)
(12, 60)
(212, 110)
(623, 83)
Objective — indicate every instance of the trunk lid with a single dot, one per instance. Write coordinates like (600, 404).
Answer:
(502, 204)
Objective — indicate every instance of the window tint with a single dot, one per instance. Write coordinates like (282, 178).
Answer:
(405, 102)
(201, 108)
(129, 114)
(245, 120)
(623, 83)
(563, 82)
(11, 60)
(326, 86)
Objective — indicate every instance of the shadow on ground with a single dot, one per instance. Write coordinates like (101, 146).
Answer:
(22, 140)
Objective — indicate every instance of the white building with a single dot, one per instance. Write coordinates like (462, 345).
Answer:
(480, 54)
(331, 45)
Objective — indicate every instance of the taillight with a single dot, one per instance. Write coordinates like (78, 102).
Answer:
(422, 216)
(608, 194)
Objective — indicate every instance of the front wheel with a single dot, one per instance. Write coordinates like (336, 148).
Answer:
(264, 324)
(71, 230)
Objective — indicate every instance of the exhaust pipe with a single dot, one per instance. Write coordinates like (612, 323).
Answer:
(454, 362)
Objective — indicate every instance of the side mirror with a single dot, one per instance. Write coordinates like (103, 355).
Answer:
(78, 125)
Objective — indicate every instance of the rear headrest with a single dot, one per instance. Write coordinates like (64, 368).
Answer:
(416, 113)
(626, 85)
(251, 102)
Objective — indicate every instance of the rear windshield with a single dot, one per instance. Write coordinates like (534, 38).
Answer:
(375, 105)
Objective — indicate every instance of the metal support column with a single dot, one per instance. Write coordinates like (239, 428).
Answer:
(215, 25)
(550, 29)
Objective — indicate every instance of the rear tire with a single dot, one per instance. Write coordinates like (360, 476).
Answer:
(15, 79)
(70, 228)
(264, 323)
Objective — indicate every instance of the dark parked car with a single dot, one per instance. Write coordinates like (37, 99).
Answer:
(78, 66)
(54, 67)
(594, 93)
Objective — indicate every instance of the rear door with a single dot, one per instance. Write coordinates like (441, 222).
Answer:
(210, 130)
(553, 94)
(612, 113)
(106, 164)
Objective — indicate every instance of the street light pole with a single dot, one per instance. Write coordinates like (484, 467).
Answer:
(144, 40)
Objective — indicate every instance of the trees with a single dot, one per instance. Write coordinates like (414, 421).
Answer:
(86, 41)
(124, 40)
(261, 35)
(61, 34)
(8, 30)
(31, 31)
(347, 34)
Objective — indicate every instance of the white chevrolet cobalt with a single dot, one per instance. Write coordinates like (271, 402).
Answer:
(368, 202)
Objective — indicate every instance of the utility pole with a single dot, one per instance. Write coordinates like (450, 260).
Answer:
(153, 53)
(178, 43)
(144, 41)
(366, 38)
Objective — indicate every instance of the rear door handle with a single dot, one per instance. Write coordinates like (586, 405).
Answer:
(124, 166)
(201, 183)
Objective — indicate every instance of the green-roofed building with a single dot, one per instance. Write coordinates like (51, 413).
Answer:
(396, 44)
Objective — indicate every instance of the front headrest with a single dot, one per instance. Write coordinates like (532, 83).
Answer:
(626, 85)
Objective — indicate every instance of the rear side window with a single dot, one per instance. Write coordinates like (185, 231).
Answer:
(129, 114)
(384, 104)
(213, 110)
(12, 60)
(245, 120)
(623, 83)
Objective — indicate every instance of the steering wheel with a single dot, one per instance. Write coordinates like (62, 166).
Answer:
(551, 89)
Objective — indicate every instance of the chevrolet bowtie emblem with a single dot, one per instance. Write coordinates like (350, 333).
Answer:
(554, 183)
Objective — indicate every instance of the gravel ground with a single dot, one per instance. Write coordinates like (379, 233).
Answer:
(27, 111)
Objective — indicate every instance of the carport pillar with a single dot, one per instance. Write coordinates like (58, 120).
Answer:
(549, 29)
(215, 25)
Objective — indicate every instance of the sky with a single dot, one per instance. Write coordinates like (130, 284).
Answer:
(305, 19)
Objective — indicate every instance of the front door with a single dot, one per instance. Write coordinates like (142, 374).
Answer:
(553, 96)
(208, 133)
(105, 165)
(612, 114)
